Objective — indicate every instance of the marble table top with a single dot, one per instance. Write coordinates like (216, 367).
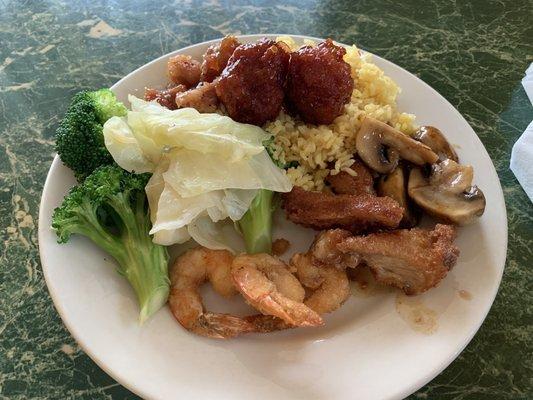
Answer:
(472, 52)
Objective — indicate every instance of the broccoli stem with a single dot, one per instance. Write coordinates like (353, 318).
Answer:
(151, 285)
(142, 263)
(256, 224)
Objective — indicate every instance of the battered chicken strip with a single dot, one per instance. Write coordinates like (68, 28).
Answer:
(165, 97)
(361, 182)
(413, 260)
(203, 98)
(320, 211)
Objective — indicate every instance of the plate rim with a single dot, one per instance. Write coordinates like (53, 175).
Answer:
(415, 385)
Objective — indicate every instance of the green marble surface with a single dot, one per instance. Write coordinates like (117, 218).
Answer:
(474, 53)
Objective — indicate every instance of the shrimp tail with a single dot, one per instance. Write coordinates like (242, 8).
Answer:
(222, 326)
(267, 323)
(292, 312)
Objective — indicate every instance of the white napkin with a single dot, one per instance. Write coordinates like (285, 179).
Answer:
(522, 154)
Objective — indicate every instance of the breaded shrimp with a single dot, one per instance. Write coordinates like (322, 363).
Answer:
(269, 286)
(323, 270)
(330, 284)
(187, 274)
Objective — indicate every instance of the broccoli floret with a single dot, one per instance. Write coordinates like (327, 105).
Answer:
(110, 208)
(79, 137)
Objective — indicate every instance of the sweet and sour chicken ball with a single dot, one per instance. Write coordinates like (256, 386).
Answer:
(216, 58)
(319, 83)
(251, 87)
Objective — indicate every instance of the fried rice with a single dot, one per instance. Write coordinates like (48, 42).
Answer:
(324, 149)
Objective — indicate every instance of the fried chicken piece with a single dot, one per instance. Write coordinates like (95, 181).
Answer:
(183, 70)
(325, 251)
(216, 58)
(251, 87)
(319, 82)
(319, 210)
(203, 98)
(360, 183)
(165, 97)
(413, 260)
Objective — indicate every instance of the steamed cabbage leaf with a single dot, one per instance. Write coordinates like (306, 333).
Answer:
(206, 168)
(175, 218)
(190, 173)
(122, 144)
(158, 130)
(212, 235)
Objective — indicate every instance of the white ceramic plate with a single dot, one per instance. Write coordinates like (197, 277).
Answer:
(371, 348)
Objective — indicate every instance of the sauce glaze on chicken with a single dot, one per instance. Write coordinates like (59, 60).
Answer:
(251, 87)
(216, 58)
(319, 82)
(253, 81)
